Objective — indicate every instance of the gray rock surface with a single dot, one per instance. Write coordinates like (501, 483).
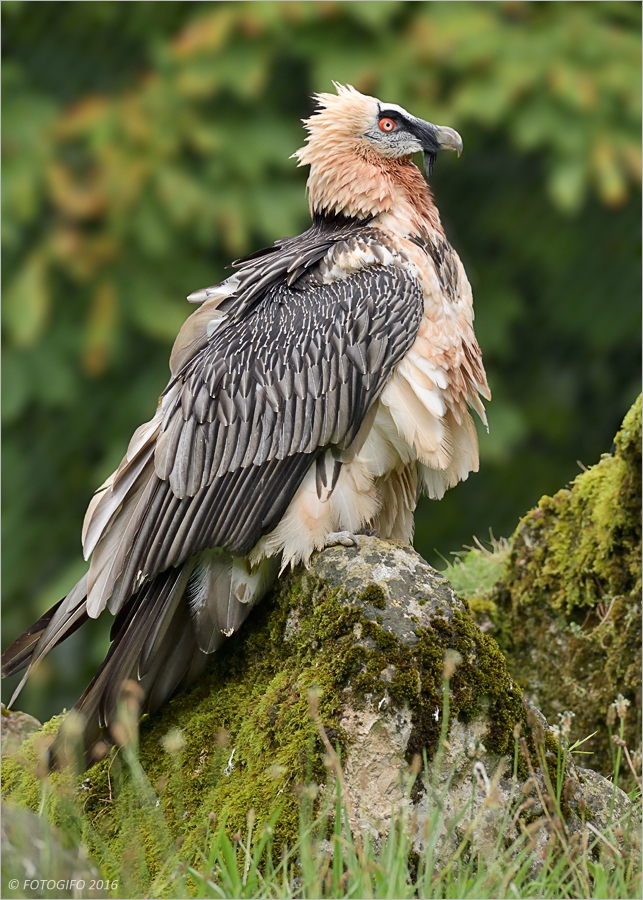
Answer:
(472, 789)
(16, 726)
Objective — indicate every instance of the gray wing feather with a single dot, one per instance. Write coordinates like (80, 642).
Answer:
(372, 318)
(238, 428)
(295, 374)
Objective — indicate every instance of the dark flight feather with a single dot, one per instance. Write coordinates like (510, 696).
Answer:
(249, 438)
(290, 371)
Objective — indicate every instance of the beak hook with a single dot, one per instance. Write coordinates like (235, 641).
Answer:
(449, 139)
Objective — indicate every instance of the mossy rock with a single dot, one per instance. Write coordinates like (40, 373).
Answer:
(368, 630)
(16, 726)
(564, 599)
(363, 632)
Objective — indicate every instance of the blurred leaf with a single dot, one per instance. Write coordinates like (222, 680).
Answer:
(611, 178)
(375, 14)
(205, 33)
(567, 184)
(26, 118)
(484, 100)
(27, 300)
(100, 329)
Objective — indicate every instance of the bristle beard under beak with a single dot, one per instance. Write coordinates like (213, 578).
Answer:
(428, 163)
(433, 139)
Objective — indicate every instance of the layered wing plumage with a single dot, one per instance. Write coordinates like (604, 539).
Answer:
(351, 346)
(289, 369)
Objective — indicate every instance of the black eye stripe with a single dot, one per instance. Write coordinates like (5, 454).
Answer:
(393, 114)
(423, 131)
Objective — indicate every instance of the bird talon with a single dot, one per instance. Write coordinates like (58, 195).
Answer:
(343, 539)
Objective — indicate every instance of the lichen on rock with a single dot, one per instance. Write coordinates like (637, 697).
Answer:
(565, 606)
(16, 727)
(367, 631)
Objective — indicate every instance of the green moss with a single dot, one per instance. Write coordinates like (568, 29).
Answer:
(23, 781)
(480, 683)
(249, 742)
(374, 595)
(566, 608)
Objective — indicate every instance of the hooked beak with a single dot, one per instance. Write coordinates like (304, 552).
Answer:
(434, 138)
(448, 139)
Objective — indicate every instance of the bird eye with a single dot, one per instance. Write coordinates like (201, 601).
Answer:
(387, 125)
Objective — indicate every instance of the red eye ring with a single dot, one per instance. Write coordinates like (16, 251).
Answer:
(387, 124)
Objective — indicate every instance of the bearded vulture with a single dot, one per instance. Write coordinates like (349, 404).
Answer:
(314, 394)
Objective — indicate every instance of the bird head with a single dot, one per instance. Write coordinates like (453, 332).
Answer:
(355, 144)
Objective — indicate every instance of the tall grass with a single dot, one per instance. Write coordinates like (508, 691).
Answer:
(333, 857)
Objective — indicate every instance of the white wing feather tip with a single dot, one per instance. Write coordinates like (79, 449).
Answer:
(221, 291)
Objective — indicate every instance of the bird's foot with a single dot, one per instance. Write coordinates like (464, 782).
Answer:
(343, 539)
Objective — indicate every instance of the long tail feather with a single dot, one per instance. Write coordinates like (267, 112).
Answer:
(55, 626)
(162, 641)
(19, 654)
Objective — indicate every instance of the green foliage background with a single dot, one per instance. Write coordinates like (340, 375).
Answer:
(147, 144)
